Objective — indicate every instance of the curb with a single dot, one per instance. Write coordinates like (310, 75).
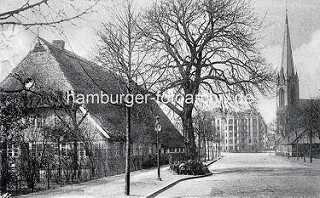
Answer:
(180, 180)
(174, 183)
(213, 161)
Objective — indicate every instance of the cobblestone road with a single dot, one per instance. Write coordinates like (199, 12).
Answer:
(254, 175)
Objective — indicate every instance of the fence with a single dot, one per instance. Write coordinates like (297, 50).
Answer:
(301, 150)
(29, 174)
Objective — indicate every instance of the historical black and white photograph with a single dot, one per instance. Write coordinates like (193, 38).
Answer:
(159, 98)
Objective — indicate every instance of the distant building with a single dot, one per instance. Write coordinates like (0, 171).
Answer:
(293, 146)
(242, 131)
(288, 99)
(287, 82)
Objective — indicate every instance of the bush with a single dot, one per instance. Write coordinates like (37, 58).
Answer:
(151, 161)
(191, 167)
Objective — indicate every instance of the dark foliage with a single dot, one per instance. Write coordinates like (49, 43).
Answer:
(190, 167)
(152, 161)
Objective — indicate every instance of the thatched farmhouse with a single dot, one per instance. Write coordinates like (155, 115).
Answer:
(80, 140)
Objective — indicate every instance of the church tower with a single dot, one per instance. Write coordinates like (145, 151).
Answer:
(287, 81)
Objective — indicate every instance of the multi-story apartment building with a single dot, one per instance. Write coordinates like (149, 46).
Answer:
(240, 131)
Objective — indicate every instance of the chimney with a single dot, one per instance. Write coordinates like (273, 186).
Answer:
(59, 43)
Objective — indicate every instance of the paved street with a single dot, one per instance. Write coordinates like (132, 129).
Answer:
(253, 175)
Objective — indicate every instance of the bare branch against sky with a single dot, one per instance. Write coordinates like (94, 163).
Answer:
(303, 21)
(43, 12)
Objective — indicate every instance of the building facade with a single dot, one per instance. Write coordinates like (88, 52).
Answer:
(242, 131)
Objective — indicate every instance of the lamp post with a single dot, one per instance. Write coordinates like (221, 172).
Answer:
(158, 129)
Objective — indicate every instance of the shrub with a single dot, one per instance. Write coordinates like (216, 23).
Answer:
(151, 161)
(190, 167)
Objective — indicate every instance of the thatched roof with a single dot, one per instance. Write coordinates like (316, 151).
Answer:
(56, 69)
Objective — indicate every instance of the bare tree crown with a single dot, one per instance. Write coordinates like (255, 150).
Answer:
(209, 44)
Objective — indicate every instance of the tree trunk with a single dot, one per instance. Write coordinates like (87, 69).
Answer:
(75, 160)
(310, 137)
(92, 168)
(288, 148)
(212, 151)
(59, 161)
(205, 148)
(48, 176)
(297, 151)
(128, 140)
(199, 146)
(208, 150)
(217, 150)
(4, 167)
(75, 145)
(188, 131)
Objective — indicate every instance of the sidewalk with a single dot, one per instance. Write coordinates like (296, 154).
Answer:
(143, 183)
(315, 162)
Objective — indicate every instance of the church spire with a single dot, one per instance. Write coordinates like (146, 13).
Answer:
(287, 58)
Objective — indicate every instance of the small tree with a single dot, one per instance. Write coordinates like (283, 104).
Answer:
(205, 129)
(17, 128)
(123, 51)
(310, 121)
(294, 124)
(11, 113)
(272, 133)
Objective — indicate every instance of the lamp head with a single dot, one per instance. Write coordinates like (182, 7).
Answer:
(157, 124)
(28, 83)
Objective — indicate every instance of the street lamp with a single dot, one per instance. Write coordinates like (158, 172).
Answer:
(158, 129)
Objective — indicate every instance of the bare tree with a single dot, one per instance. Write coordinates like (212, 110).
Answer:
(272, 134)
(205, 45)
(10, 114)
(293, 125)
(310, 121)
(122, 50)
(15, 120)
(199, 125)
(16, 106)
(204, 128)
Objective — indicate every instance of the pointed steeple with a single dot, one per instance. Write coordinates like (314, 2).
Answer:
(287, 58)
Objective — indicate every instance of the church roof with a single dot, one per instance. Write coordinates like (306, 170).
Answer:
(55, 69)
(287, 66)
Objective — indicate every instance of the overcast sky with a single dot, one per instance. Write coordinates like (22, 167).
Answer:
(304, 22)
